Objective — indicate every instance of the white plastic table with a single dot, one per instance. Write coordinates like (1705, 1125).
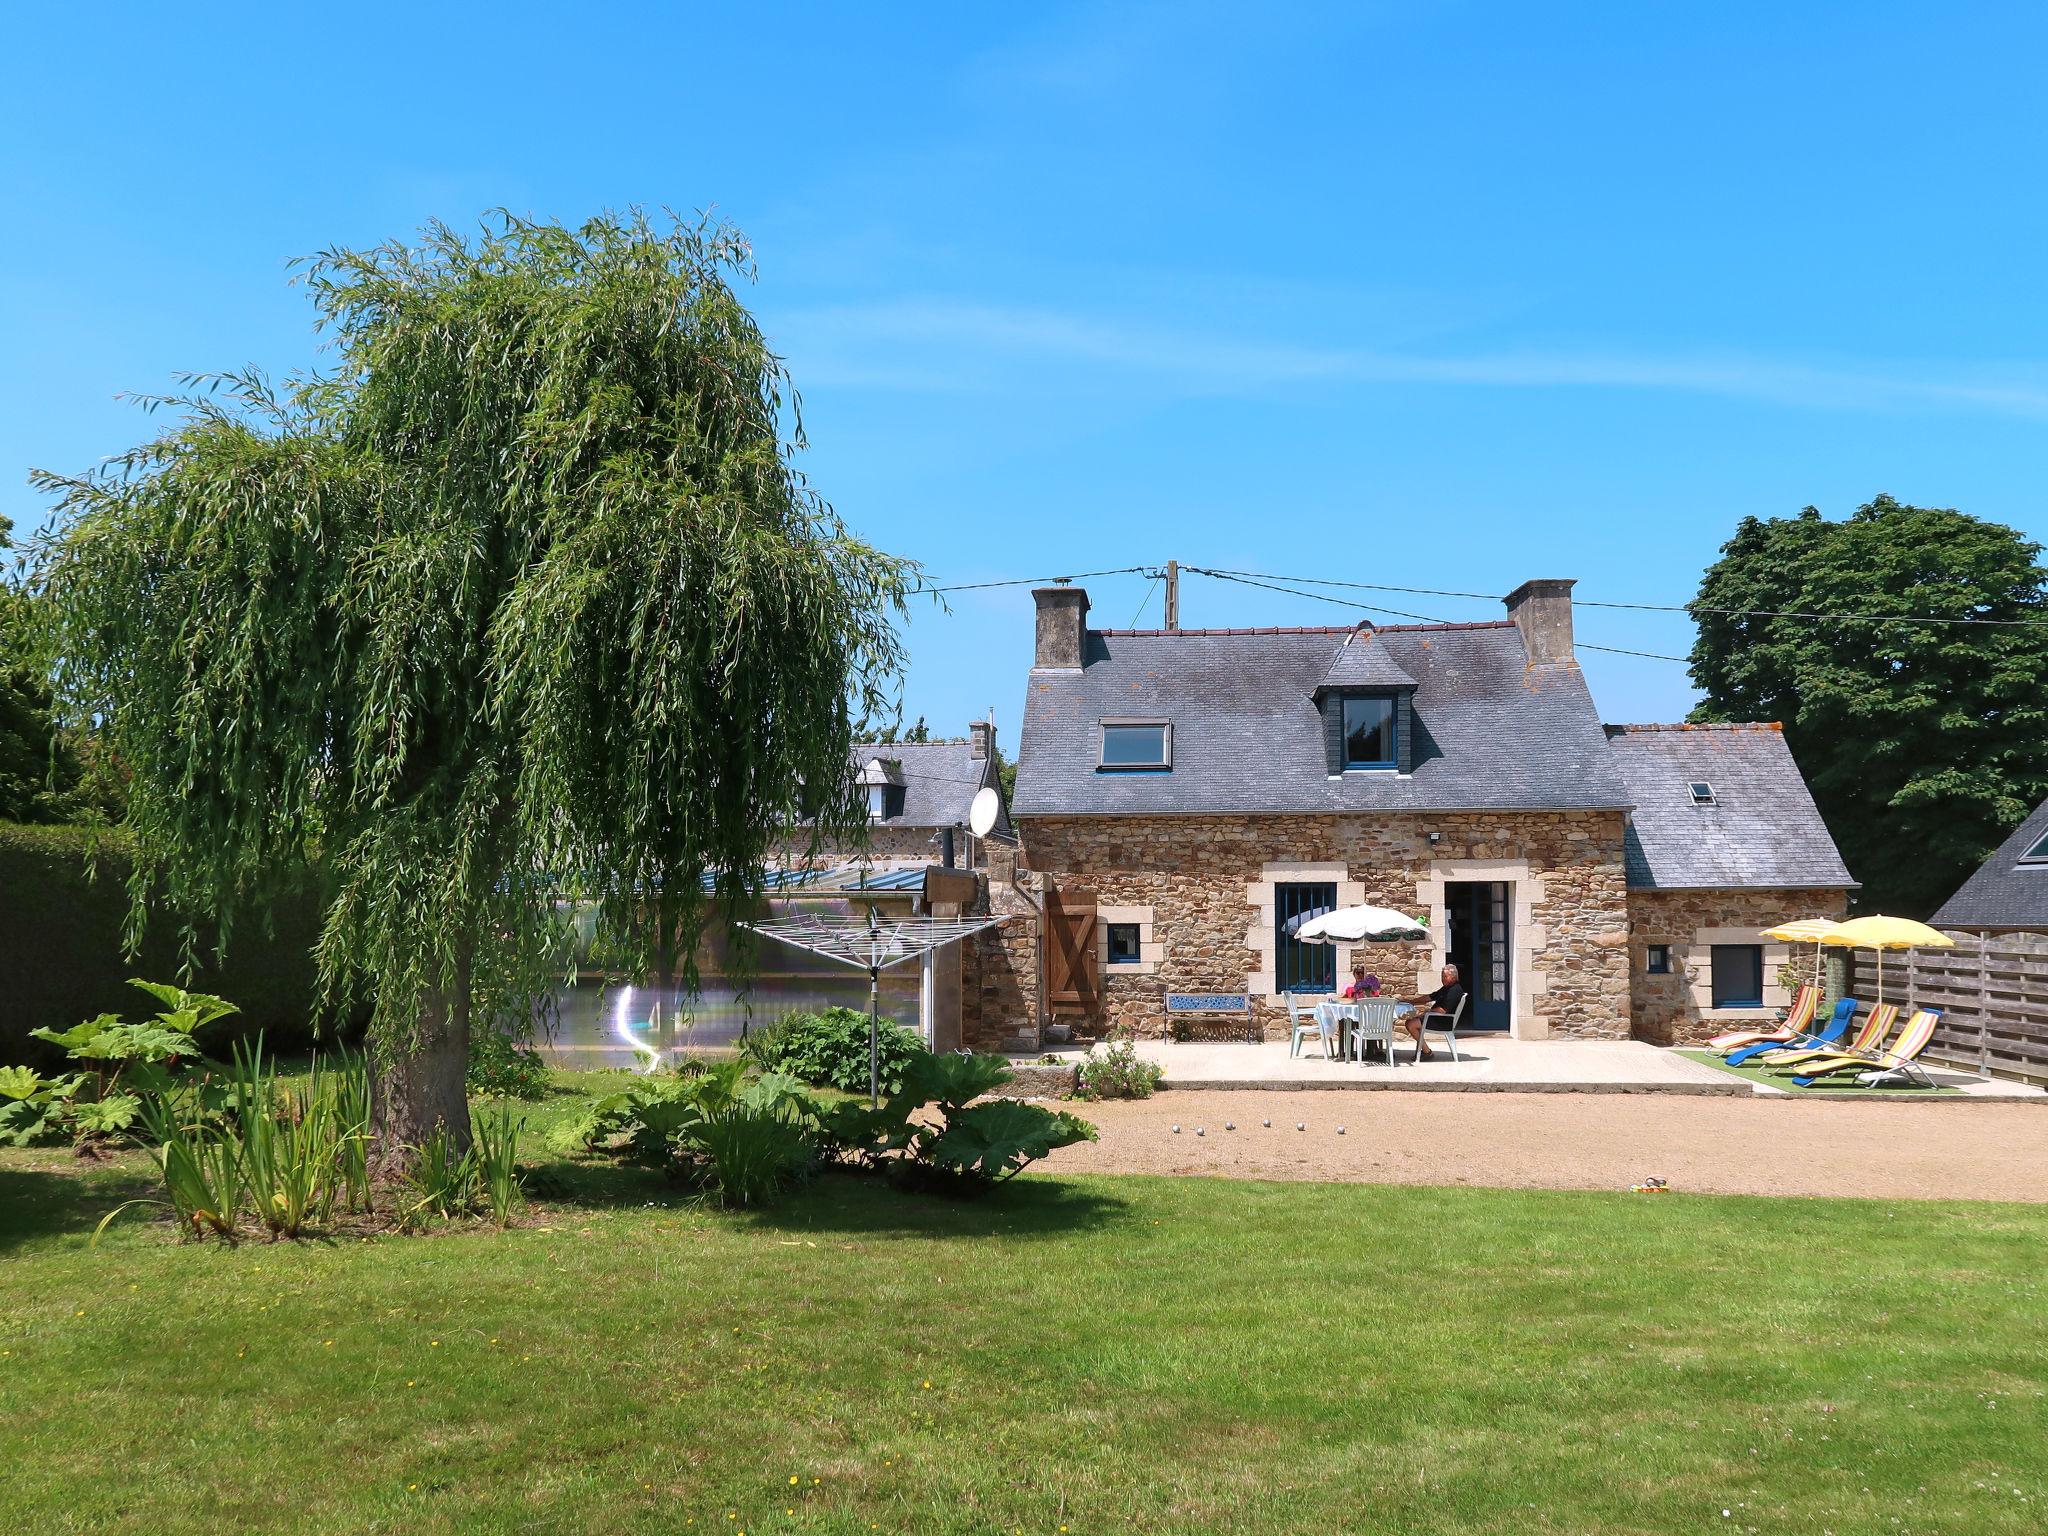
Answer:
(1361, 1022)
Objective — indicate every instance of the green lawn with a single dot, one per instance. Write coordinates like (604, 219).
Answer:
(1095, 1355)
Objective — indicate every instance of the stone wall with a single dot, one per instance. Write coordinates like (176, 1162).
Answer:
(1676, 1008)
(999, 992)
(1204, 879)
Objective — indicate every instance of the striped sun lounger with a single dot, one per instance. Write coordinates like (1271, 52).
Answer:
(1798, 1020)
(1868, 1039)
(1899, 1064)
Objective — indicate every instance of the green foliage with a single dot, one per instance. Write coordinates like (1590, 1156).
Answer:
(995, 1140)
(1115, 1070)
(35, 1110)
(496, 1149)
(430, 618)
(41, 776)
(501, 1068)
(63, 900)
(123, 1062)
(955, 1078)
(830, 1049)
(752, 1152)
(1925, 744)
(250, 1144)
(971, 1148)
(744, 1139)
(440, 1180)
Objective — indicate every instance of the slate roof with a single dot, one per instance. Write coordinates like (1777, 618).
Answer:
(1363, 662)
(2004, 893)
(1762, 831)
(1491, 732)
(939, 780)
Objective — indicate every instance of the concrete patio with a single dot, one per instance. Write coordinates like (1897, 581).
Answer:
(1492, 1063)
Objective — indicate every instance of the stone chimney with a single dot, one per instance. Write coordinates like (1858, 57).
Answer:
(982, 735)
(1542, 611)
(1062, 628)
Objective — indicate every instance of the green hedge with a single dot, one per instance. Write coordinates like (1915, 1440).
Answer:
(63, 904)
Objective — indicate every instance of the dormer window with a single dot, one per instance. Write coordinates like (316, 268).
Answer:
(1369, 733)
(881, 779)
(2038, 854)
(1136, 746)
(1702, 792)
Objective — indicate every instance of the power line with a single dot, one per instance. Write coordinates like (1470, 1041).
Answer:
(1331, 597)
(1144, 601)
(1034, 581)
(1689, 609)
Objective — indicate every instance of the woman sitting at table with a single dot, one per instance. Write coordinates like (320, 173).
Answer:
(1362, 985)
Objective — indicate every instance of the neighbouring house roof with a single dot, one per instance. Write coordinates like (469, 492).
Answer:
(939, 780)
(1761, 829)
(1492, 732)
(2004, 893)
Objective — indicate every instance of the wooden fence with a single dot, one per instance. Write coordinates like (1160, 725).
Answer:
(1993, 993)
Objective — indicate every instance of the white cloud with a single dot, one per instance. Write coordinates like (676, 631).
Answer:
(945, 345)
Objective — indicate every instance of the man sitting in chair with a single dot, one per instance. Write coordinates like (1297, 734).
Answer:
(1442, 1003)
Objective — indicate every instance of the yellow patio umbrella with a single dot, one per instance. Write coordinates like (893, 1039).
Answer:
(1882, 933)
(1817, 931)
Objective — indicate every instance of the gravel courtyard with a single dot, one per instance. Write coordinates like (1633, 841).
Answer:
(1740, 1146)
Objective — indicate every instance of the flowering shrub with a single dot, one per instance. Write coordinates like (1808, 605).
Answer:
(501, 1068)
(1115, 1070)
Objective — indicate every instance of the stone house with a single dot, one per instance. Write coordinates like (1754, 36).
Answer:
(1723, 839)
(919, 794)
(1184, 795)
(2008, 894)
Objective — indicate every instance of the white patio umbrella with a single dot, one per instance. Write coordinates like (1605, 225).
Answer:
(1360, 925)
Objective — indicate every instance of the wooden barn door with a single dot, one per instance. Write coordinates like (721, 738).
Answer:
(1071, 981)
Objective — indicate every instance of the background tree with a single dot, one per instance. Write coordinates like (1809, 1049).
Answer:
(39, 770)
(522, 603)
(1925, 743)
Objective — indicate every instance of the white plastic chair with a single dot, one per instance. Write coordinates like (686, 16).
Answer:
(1306, 1021)
(1449, 1031)
(1375, 1022)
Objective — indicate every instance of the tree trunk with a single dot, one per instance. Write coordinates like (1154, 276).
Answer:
(418, 1089)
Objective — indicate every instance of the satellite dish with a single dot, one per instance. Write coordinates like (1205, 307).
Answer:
(981, 815)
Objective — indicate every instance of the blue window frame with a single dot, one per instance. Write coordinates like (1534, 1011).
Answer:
(1738, 975)
(1657, 960)
(1299, 967)
(1135, 746)
(1124, 945)
(1369, 733)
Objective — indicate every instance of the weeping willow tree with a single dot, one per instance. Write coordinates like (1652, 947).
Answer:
(520, 604)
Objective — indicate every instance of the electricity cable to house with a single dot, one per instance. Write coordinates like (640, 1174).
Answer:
(1302, 587)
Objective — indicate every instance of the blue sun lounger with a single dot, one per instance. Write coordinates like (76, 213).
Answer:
(1828, 1034)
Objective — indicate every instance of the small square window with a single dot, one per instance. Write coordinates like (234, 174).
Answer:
(1369, 733)
(1124, 948)
(1702, 792)
(2038, 854)
(1738, 975)
(1136, 745)
(1657, 959)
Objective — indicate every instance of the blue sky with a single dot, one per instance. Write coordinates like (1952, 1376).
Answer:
(1434, 295)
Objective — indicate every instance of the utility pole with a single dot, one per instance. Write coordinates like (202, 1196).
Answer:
(1172, 595)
